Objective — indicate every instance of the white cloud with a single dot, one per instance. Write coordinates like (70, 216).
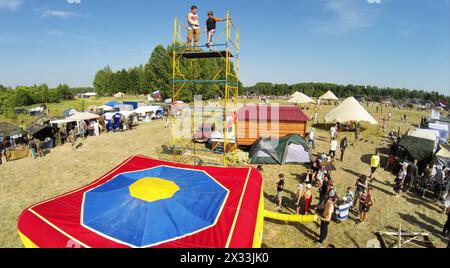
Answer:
(74, 1)
(345, 16)
(10, 4)
(375, 1)
(57, 13)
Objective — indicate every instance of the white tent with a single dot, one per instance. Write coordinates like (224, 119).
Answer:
(329, 96)
(296, 94)
(301, 98)
(105, 108)
(148, 109)
(350, 110)
(119, 95)
(82, 117)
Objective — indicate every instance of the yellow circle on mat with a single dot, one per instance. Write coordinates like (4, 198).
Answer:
(153, 189)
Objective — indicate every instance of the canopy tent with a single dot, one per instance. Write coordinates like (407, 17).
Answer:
(427, 134)
(105, 108)
(291, 149)
(7, 129)
(113, 103)
(442, 129)
(154, 110)
(146, 203)
(416, 148)
(301, 98)
(40, 132)
(109, 116)
(82, 117)
(124, 108)
(329, 96)
(442, 158)
(350, 110)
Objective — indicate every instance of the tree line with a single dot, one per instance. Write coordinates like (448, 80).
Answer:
(343, 91)
(24, 96)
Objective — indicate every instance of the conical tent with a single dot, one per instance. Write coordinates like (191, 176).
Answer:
(301, 98)
(291, 149)
(350, 110)
(296, 94)
(329, 96)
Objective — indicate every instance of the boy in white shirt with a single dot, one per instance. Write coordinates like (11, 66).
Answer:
(333, 148)
(194, 27)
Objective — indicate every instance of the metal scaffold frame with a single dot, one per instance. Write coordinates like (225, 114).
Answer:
(226, 81)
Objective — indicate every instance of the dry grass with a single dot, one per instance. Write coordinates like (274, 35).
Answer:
(26, 182)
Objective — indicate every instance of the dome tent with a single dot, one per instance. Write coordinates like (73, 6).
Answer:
(291, 149)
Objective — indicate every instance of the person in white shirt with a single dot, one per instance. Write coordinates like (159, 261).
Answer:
(333, 148)
(446, 231)
(96, 129)
(194, 27)
(311, 138)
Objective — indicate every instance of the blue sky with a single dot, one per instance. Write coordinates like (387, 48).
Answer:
(396, 43)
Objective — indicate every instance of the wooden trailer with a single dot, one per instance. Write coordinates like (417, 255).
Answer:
(263, 121)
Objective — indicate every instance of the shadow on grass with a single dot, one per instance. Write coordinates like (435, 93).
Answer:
(352, 240)
(377, 188)
(352, 172)
(310, 234)
(414, 200)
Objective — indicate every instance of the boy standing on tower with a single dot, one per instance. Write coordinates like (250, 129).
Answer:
(194, 27)
(211, 27)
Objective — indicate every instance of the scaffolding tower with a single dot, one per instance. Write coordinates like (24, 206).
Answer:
(225, 81)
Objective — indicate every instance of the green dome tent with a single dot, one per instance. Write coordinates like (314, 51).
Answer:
(291, 149)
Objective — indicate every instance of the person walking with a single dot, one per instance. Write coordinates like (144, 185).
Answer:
(32, 147)
(1, 152)
(300, 198)
(362, 184)
(365, 203)
(96, 129)
(308, 199)
(211, 24)
(316, 118)
(280, 191)
(333, 148)
(439, 185)
(411, 174)
(400, 180)
(311, 138)
(325, 220)
(193, 28)
(344, 145)
(446, 230)
(375, 162)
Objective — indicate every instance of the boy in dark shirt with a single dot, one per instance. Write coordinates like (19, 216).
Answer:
(211, 27)
(280, 190)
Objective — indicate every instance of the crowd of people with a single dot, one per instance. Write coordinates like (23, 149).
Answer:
(320, 183)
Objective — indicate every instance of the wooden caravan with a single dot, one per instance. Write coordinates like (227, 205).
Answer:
(263, 121)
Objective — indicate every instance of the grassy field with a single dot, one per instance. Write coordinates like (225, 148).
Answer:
(26, 182)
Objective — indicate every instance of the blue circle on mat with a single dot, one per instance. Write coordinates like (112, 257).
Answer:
(111, 211)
